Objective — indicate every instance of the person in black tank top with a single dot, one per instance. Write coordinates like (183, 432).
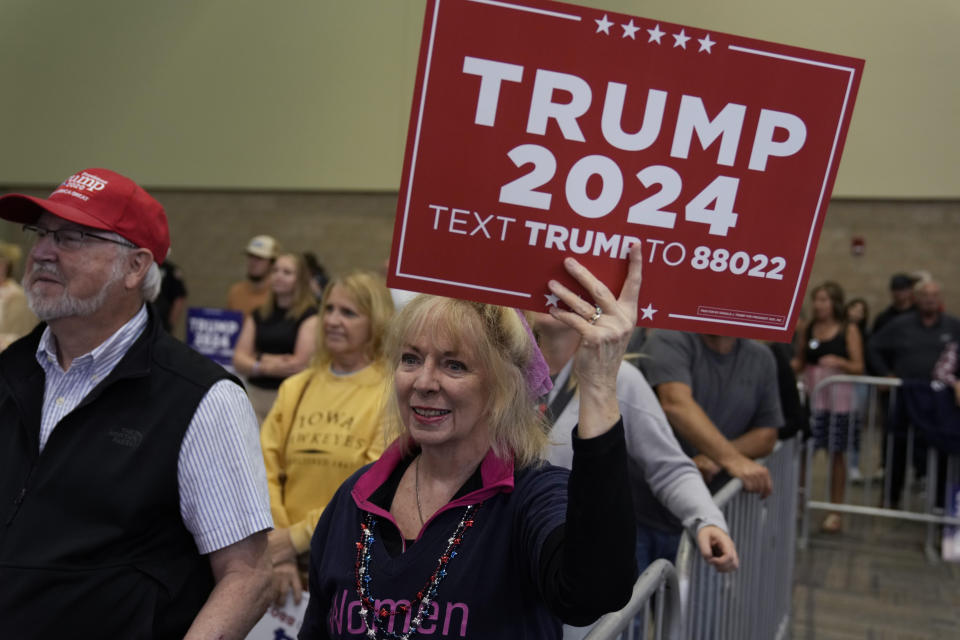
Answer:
(279, 337)
(831, 346)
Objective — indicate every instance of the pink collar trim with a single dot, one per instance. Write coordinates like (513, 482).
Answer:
(496, 475)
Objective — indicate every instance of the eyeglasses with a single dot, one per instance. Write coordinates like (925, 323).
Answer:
(69, 239)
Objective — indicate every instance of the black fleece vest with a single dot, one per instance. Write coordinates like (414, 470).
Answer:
(92, 544)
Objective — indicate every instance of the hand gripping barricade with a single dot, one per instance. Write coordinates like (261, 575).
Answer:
(912, 427)
(753, 602)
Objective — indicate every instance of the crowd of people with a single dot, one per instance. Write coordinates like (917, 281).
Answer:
(913, 339)
(434, 462)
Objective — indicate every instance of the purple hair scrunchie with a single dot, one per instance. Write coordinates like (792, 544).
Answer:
(537, 374)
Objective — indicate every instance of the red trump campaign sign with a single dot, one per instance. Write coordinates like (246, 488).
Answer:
(541, 130)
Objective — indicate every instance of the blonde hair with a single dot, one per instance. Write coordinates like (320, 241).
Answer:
(369, 292)
(500, 343)
(12, 254)
(302, 294)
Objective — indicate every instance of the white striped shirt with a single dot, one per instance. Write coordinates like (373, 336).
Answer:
(220, 472)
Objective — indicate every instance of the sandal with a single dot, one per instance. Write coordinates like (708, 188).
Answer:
(832, 523)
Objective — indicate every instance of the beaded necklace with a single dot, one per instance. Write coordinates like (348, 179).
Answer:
(420, 604)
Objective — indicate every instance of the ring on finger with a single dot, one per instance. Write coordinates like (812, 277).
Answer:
(596, 314)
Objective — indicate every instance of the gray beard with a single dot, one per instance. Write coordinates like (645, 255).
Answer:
(66, 305)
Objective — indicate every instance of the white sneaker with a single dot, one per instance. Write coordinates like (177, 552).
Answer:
(855, 475)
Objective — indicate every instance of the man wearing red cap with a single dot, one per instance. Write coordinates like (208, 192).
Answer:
(132, 486)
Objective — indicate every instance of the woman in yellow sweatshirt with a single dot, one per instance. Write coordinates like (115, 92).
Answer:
(326, 421)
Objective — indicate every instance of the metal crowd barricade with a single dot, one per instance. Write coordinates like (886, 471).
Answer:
(753, 602)
(659, 619)
(869, 416)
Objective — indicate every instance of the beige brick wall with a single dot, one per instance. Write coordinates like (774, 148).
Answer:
(346, 230)
(898, 236)
(210, 231)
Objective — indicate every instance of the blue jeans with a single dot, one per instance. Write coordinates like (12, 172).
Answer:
(653, 544)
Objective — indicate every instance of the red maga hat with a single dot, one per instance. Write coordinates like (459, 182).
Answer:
(101, 199)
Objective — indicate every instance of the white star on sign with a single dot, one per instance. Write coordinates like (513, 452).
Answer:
(705, 44)
(656, 34)
(552, 300)
(680, 39)
(603, 24)
(648, 312)
(629, 30)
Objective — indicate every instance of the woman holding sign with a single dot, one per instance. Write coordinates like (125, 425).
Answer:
(326, 422)
(460, 526)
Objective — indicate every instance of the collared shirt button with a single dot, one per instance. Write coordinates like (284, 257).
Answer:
(60, 400)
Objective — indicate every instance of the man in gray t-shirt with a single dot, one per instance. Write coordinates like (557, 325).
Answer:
(721, 397)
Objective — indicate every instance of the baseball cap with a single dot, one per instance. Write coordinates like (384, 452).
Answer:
(101, 199)
(262, 247)
(901, 281)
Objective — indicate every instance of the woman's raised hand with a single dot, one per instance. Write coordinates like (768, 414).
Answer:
(605, 327)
